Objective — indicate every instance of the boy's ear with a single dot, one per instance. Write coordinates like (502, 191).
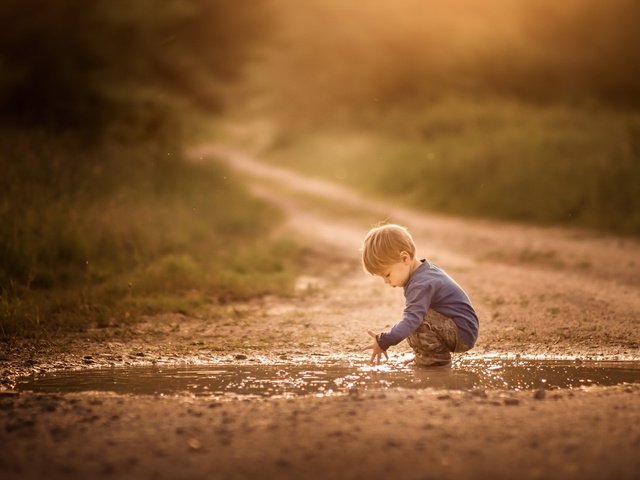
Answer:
(405, 256)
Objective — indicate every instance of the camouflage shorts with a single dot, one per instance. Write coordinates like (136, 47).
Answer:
(435, 339)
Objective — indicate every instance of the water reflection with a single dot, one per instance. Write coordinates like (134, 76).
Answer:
(333, 377)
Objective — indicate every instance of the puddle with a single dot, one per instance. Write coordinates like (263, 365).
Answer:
(332, 377)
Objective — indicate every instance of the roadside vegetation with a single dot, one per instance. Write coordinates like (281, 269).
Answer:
(103, 219)
(131, 232)
(499, 159)
(522, 110)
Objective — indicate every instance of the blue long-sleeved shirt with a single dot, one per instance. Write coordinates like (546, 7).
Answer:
(430, 287)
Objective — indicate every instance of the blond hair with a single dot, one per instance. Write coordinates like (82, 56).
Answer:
(383, 245)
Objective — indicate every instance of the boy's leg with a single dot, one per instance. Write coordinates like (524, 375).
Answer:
(435, 339)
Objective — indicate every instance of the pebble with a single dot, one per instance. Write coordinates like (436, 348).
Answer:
(194, 444)
(479, 393)
(57, 431)
(240, 356)
(511, 401)
(539, 394)
(49, 407)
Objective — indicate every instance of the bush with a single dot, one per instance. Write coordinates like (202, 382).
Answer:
(108, 233)
(543, 164)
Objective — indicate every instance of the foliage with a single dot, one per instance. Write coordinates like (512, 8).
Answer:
(378, 55)
(95, 236)
(502, 159)
(87, 66)
(102, 219)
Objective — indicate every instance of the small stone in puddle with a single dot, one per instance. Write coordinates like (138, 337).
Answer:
(511, 401)
(539, 394)
(240, 357)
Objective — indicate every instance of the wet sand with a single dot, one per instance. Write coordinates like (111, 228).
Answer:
(583, 434)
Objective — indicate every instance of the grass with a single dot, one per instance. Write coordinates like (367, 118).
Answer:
(547, 164)
(99, 236)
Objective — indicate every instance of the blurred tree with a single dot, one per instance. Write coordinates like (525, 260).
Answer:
(371, 56)
(84, 65)
(586, 48)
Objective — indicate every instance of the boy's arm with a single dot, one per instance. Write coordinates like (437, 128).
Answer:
(418, 301)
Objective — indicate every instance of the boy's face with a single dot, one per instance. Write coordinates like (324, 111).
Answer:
(397, 274)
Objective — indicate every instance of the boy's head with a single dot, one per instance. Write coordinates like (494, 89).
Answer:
(386, 245)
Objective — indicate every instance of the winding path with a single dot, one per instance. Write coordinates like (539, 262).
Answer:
(537, 289)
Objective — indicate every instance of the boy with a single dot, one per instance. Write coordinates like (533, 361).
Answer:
(438, 317)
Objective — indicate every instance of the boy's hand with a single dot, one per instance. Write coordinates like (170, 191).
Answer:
(377, 351)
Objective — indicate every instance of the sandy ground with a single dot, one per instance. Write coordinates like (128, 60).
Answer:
(548, 292)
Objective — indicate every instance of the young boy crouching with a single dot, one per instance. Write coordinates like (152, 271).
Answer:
(438, 317)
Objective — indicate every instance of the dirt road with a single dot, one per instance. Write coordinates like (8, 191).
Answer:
(538, 291)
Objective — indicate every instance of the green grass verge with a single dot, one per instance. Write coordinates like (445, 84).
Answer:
(100, 236)
(501, 159)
